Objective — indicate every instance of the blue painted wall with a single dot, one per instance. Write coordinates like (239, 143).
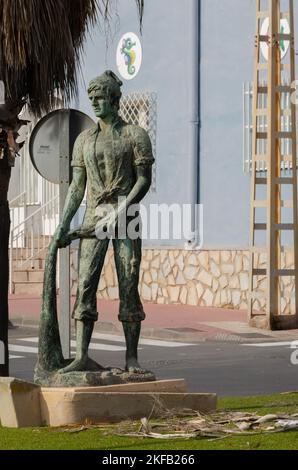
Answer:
(167, 70)
(227, 38)
(170, 58)
(227, 44)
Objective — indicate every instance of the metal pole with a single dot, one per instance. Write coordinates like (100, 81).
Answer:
(194, 119)
(64, 264)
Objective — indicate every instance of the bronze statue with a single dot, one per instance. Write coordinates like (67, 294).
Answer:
(113, 160)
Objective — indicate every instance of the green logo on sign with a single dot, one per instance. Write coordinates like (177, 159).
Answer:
(129, 55)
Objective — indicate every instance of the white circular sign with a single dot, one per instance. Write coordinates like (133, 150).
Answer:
(284, 45)
(129, 56)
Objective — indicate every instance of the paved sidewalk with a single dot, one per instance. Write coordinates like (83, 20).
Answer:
(176, 322)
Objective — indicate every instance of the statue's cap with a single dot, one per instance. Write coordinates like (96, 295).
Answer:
(108, 83)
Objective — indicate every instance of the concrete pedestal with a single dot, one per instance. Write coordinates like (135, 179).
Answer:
(23, 405)
(19, 403)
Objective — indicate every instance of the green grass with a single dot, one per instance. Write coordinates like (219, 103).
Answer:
(103, 439)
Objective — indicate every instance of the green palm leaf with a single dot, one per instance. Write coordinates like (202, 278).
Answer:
(40, 46)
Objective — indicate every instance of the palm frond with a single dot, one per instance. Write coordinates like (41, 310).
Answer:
(40, 46)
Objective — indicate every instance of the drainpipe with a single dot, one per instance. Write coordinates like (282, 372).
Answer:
(195, 30)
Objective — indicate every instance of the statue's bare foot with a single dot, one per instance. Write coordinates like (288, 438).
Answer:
(77, 365)
(133, 367)
(93, 366)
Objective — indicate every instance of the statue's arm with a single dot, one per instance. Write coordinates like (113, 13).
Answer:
(141, 187)
(75, 194)
(137, 193)
(73, 201)
(143, 161)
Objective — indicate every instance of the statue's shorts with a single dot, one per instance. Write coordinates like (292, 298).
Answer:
(127, 254)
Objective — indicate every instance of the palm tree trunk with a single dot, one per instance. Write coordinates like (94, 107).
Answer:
(4, 265)
(9, 127)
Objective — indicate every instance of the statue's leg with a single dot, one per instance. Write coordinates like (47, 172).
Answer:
(91, 260)
(128, 255)
(84, 330)
(132, 331)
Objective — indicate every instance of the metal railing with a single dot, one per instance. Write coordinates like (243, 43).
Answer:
(32, 235)
(17, 207)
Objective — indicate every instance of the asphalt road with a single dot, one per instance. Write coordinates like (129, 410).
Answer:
(225, 368)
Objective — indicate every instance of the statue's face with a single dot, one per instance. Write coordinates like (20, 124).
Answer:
(101, 104)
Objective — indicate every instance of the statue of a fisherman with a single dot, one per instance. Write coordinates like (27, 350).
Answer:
(113, 160)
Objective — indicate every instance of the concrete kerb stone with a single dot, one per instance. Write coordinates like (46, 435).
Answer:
(27, 405)
(111, 328)
(19, 403)
(167, 334)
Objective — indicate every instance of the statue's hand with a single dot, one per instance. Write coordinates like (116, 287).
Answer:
(61, 237)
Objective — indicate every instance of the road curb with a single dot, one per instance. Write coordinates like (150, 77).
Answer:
(110, 328)
(165, 334)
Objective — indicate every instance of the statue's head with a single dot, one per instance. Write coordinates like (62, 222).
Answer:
(105, 93)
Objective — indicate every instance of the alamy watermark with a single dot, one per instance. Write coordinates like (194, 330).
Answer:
(153, 222)
(294, 355)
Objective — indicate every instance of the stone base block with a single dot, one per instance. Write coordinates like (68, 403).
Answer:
(71, 407)
(19, 403)
(26, 405)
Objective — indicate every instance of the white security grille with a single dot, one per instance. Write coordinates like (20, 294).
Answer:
(141, 109)
(248, 128)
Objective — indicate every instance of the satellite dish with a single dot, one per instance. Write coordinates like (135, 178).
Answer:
(49, 136)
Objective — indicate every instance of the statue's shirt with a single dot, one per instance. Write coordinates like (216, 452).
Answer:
(110, 160)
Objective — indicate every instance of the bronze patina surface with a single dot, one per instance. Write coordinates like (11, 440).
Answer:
(112, 160)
